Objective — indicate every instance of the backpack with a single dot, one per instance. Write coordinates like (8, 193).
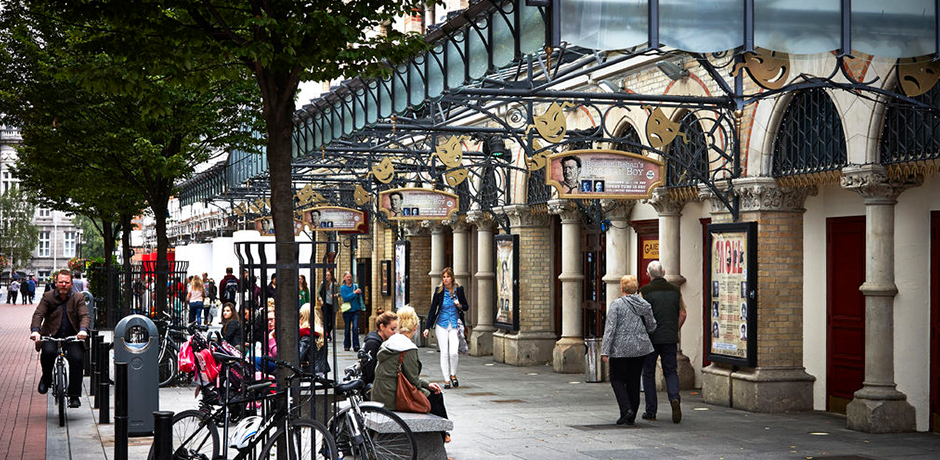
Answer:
(231, 291)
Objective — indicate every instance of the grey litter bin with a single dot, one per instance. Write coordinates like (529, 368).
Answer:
(418, 337)
(136, 342)
(593, 370)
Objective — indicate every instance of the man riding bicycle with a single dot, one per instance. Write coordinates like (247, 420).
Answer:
(47, 321)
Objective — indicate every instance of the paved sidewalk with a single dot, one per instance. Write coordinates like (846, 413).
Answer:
(22, 409)
(507, 412)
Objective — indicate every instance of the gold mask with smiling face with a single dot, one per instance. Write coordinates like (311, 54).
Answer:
(450, 152)
(660, 130)
(384, 172)
(552, 124)
(768, 68)
(917, 78)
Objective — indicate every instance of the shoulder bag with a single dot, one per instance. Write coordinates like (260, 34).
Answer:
(407, 397)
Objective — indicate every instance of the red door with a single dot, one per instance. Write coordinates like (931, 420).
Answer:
(935, 321)
(845, 306)
(647, 243)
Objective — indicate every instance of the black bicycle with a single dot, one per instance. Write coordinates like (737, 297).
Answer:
(196, 433)
(172, 337)
(60, 378)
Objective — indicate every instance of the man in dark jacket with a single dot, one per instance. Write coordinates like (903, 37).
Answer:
(228, 278)
(61, 313)
(670, 314)
(386, 324)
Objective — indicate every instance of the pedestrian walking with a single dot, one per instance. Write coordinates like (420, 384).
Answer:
(328, 292)
(446, 316)
(31, 288)
(196, 298)
(211, 295)
(352, 305)
(13, 291)
(625, 346)
(670, 313)
(304, 290)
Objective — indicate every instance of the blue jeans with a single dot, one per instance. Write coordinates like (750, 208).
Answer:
(195, 310)
(667, 351)
(351, 318)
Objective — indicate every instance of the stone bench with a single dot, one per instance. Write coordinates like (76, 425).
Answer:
(427, 430)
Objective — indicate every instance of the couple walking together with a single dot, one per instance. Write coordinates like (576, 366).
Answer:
(640, 328)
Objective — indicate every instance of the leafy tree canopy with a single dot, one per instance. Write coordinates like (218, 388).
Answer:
(18, 236)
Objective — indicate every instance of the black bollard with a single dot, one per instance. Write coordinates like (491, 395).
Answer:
(104, 384)
(95, 344)
(120, 411)
(162, 435)
(86, 361)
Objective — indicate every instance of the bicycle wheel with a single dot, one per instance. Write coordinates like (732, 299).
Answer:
(305, 440)
(61, 389)
(195, 437)
(168, 366)
(384, 436)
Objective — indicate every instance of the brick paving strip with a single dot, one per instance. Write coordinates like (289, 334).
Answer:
(22, 409)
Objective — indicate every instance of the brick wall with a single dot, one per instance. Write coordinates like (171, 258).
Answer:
(419, 292)
(535, 278)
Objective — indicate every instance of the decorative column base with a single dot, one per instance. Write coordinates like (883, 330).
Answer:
(716, 384)
(881, 411)
(758, 390)
(523, 348)
(481, 341)
(568, 355)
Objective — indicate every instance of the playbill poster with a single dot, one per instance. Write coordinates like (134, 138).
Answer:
(417, 204)
(332, 218)
(732, 249)
(401, 274)
(603, 174)
(507, 289)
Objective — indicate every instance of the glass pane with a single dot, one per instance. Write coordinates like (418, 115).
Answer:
(372, 108)
(532, 35)
(347, 114)
(385, 98)
(337, 117)
(602, 24)
(704, 27)
(798, 26)
(503, 44)
(455, 66)
(435, 73)
(479, 57)
(327, 129)
(416, 69)
(308, 135)
(358, 108)
(399, 77)
(893, 29)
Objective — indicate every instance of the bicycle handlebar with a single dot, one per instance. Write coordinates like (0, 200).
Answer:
(49, 338)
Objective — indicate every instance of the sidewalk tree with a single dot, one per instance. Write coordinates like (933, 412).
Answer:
(18, 236)
(89, 118)
(280, 42)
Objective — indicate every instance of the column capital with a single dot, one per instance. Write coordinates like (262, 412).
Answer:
(434, 226)
(875, 185)
(414, 228)
(665, 203)
(481, 219)
(766, 194)
(521, 216)
(568, 212)
(618, 209)
(457, 226)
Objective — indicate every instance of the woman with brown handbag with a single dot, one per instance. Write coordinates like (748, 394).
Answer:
(399, 352)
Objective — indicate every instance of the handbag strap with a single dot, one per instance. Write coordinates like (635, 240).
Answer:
(401, 357)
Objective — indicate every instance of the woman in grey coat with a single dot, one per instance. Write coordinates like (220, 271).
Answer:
(626, 343)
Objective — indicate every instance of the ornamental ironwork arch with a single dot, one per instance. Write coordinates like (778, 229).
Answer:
(810, 138)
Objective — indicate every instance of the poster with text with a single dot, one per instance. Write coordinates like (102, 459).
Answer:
(732, 304)
(401, 273)
(334, 218)
(417, 204)
(603, 174)
(507, 282)
(265, 226)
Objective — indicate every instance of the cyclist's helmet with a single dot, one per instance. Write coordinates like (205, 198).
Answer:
(244, 431)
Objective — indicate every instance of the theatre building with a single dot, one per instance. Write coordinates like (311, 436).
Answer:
(788, 187)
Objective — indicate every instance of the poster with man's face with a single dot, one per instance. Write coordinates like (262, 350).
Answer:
(603, 174)
(401, 274)
(507, 307)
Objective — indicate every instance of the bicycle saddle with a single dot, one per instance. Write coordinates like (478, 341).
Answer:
(221, 357)
(350, 386)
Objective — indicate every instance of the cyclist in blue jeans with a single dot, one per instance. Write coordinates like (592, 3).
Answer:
(48, 320)
(351, 294)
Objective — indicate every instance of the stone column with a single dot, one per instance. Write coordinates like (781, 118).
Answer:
(461, 254)
(438, 255)
(568, 355)
(481, 337)
(779, 383)
(617, 244)
(879, 407)
(669, 209)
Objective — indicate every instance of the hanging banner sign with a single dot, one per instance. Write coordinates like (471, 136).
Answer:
(732, 279)
(597, 174)
(417, 204)
(265, 226)
(334, 218)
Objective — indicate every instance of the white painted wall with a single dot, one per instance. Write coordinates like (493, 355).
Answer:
(199, 257)
(690, 262)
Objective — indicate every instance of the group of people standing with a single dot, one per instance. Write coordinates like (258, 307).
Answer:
(643, 325)
(24, 290)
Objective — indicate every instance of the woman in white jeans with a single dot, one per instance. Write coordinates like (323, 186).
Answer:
(446, 315)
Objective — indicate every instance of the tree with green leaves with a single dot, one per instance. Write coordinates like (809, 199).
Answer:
(18, 236)
(280, 42)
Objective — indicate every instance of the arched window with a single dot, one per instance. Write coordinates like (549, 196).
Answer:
(687, 162)
(810, 138)
(630, 141)
(911, 133)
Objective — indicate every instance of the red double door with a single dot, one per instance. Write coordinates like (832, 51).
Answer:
(845, 307)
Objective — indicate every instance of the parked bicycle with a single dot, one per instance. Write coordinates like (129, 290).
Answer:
(172, 337)
(60, 377)
(196, 434)
(365, 429)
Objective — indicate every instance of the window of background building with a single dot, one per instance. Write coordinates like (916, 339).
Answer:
(69, 250)
(45, 213)
(6, 182)
(45, 246)
(43, 275)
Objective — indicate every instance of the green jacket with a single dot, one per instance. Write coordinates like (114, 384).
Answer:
(385, 386)
(665, 299)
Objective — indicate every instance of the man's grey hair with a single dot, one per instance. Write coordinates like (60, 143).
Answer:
(655, 269)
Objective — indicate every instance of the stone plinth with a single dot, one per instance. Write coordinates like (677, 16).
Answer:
(524, 348)
(568, 356)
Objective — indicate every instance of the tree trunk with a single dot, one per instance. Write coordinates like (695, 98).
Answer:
(107, 228)
(159, 208)
(126, 256)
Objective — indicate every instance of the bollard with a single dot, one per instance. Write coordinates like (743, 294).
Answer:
(104, 384)
(120, 411)
(162, 435)
(86, 361)
(95, 345)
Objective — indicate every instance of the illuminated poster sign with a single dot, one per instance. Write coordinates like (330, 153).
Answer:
(603, 174)
(417, 204)
(732, 287)
(265, 226)
(333, 218)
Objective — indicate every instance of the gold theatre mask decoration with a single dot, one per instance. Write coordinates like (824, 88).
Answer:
(660, 130)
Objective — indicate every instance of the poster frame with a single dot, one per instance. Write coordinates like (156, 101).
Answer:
(385, 277)
(514, 325)
(749, 230)
(563, 193)
(406, 280)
